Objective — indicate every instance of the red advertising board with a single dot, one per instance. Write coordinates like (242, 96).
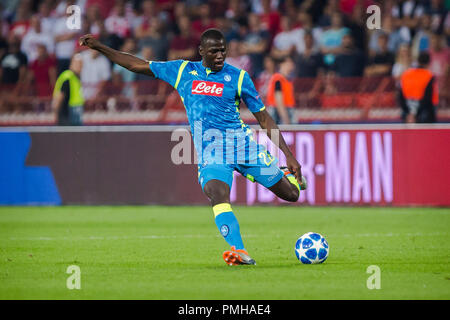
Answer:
(382, 165)
(364, 167)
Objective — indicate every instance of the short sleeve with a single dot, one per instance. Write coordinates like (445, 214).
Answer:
(166, 70)
(250, 95)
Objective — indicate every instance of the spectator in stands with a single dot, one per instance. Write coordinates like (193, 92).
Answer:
(183, 45)
(419, 93)
(396, 36)
(284, 42)
(143, 22)
(236, 10)
(47, 20)
(226, 26)
(380, 63)
(306, 25)
(94, 22)
(438, 13)
(280, 93)
(117, 23)
(439, 59)
(407, 13)
(146, 54)
(356, 22)
(13, 73)
(65, 41)
(104, 6)
(325, 19)
(350, 61)
(43, 72)
(421, 40)
(122, 75)
(402, 62)
(156, 39)
(13, 64)
(265, 76)
(270, 18)
(95, 73)
(255, 44)
(236, 58)
(21, 22)
(204, 20)
(68, 100)
(331, 41)
(310, 61)
(34, 36)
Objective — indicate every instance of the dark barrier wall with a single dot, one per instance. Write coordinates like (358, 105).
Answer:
(344, 165)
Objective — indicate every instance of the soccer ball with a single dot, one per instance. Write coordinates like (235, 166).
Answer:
(311, 248)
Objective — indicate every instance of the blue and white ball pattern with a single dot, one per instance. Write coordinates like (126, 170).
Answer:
(311, 248)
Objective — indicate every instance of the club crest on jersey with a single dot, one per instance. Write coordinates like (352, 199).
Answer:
(207, 88)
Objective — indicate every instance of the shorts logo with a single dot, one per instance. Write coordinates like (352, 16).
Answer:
(207, 88)
(224, 230)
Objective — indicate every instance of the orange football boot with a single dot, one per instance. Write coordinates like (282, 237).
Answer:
(235, 257)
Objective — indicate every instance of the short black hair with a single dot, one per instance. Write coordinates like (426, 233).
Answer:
(211, 34)
(424, 58)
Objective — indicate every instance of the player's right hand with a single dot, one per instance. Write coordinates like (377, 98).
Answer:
(89, 40)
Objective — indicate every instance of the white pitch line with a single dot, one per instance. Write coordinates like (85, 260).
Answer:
(156, 237)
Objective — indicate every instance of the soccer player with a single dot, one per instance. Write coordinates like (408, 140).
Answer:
(211, 91)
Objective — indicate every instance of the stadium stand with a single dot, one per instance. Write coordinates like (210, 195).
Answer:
(345, 72)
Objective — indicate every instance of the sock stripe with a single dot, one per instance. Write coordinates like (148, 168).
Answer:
(221, 208)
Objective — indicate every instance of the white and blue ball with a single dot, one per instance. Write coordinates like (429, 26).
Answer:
(311, 248)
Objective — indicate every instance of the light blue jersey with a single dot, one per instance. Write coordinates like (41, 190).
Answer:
(212, 101)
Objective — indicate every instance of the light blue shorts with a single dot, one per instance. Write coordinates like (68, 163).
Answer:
(266, 172)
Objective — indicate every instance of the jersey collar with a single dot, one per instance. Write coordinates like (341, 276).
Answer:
(207, 70)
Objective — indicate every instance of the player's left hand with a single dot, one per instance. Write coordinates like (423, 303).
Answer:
(295, 168)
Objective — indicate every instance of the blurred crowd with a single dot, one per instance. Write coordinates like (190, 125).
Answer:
(322, 37)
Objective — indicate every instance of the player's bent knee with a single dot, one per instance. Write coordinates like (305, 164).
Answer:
(217, 191)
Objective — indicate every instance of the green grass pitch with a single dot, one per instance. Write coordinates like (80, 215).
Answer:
(159, 252)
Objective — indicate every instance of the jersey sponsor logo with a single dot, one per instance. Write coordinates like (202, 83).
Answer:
(207, 88)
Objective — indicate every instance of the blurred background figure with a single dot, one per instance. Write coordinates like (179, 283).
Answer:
(65, 42)
(43, 72)
(380, 63)
(95, 73)
(419, 92)
(350, 61)
(280, 93)
(184, 45)
(68, 100)
(340, 65)
(236, 58)
(13, 75)
(34, 36)
(255, 44)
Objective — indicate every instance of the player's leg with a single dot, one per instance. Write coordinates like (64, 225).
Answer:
(216, 184)
(218, 193)
(280, 181)
(286, 189)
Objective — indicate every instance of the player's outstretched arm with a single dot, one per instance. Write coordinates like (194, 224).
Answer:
(124, 59)
(273, 132)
